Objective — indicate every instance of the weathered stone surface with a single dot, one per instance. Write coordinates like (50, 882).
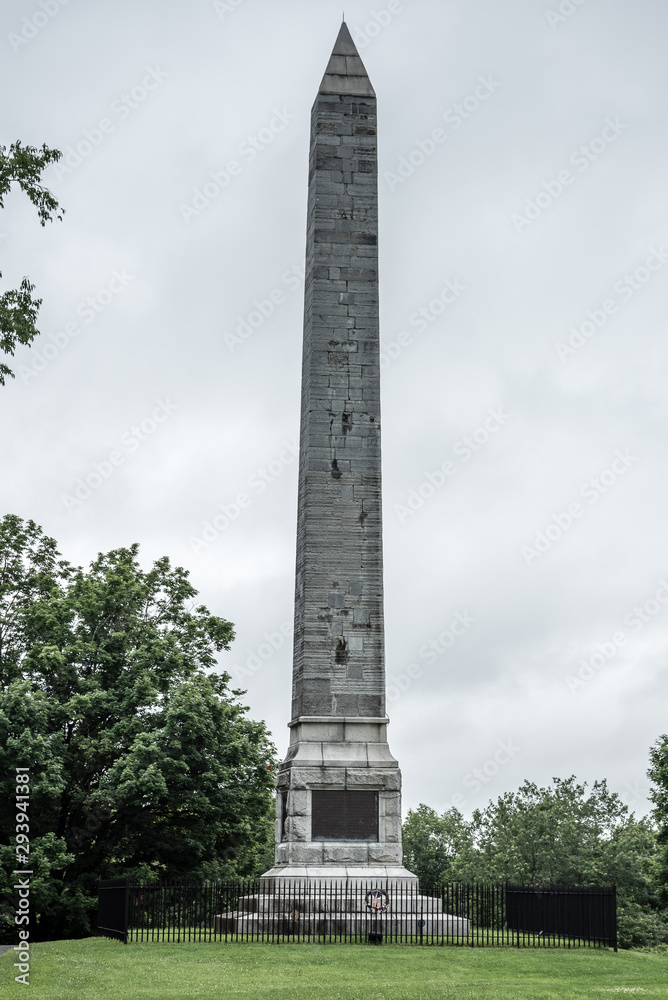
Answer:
(338, 728)
(345, 854)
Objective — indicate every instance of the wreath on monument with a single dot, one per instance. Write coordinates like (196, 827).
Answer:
(376, 901)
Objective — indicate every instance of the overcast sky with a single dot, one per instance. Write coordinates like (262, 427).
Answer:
(524, 264)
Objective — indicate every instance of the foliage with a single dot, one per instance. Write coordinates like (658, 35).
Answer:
(23, 165)
(141, 759)
(658, 774)
(560, 835)
(432, 843)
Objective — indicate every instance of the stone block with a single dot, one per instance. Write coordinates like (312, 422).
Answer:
(346, 854)
(305, 853)
(344, 753)
(379, 756)
(386, 854)
(315, 693)
(323, 730)
(300, 803)
(307, 755)
(392, 805)
(391, 832)
(328, 140)
(348, 704)
(318, 777)
(355, 671)
(366, 733)
(298, 828)
(371, 705)
(364, 777)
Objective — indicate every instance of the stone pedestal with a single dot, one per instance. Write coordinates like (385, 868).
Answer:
(354, 910)
(330, 754)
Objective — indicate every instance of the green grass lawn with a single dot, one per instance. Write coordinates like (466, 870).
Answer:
(98, 969)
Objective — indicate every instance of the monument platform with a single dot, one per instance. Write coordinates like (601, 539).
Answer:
(394, 877)
(355, 908)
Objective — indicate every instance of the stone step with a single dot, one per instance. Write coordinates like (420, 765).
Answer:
(327, 901)
(254, 925)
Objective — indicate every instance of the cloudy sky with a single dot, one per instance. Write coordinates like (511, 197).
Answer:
(524, 262)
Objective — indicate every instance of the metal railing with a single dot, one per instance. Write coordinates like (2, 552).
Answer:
(454, 913)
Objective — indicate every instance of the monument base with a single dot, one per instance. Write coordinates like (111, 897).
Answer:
(365, 906)
(340, 876)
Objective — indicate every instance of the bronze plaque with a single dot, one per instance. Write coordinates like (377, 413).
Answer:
(344, 815)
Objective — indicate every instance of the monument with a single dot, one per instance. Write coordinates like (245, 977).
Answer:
(339, 787)
(338, 822)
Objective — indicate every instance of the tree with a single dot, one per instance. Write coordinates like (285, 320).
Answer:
(23, 165)
(432, 843)
(141, 760)
(567, 835)
(658, 774)
(560, 835)
(544, 836)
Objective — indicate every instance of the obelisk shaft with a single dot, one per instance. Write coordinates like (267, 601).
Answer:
(339, 647)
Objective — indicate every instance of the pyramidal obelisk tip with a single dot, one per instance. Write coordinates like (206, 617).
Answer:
(345, 73)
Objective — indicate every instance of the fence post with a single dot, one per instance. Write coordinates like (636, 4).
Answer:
(614, 917)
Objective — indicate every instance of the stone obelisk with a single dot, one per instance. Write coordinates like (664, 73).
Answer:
(339, 787)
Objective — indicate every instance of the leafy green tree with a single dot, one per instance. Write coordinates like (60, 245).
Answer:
(23, 165)
(564, 834)
(543, 836)
(141, 760)
(432, 843)
(567, 835)
(658, 774)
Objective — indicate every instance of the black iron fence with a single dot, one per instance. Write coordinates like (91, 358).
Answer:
(474, 915)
